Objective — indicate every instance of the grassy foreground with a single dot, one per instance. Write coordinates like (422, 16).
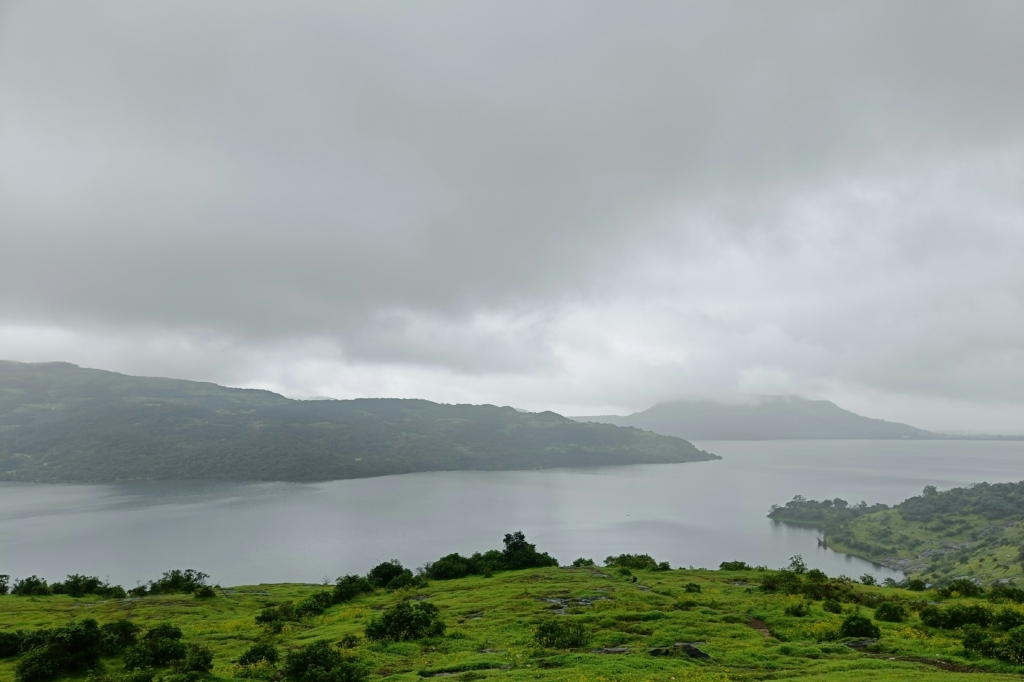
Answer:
(491, 623)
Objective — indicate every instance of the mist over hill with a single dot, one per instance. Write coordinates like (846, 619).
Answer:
(61, 422)
(767, 418)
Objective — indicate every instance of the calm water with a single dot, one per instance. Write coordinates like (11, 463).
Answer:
(689, 514)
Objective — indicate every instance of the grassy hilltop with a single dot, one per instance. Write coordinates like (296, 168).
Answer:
(60, 422)
(576, 623)
(975, 532)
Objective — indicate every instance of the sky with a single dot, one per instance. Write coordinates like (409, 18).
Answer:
(586, 207)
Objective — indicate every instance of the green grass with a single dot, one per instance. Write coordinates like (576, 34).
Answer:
(491, 623)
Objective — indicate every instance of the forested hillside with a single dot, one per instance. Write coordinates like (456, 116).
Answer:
(974, 532)
(60, 422)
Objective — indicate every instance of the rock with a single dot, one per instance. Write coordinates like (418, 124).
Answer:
(860, 643)
(611, 650)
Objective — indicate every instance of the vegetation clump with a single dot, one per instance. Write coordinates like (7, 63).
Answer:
(636, 562)
(558, 634)
(858, 626)
(891, 612)
(320, 662)
(406, 621)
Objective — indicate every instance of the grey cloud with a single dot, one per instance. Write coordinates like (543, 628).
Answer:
(593, 204)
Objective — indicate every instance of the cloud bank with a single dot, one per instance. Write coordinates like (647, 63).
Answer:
(584, 207)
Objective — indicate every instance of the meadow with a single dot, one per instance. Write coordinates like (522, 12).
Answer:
(631, 624)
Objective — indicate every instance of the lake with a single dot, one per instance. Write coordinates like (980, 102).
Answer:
(697, 514)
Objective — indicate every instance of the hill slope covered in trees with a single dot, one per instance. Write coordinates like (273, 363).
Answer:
(61, 422)
(768, 418)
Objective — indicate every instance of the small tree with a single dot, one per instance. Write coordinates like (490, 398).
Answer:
(321, 661)
(348, 587)
(891, 612)
(259, 653)
(797, 565)
(4, 583)
(868, 579)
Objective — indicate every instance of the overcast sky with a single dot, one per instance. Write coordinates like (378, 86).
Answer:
(585, 207)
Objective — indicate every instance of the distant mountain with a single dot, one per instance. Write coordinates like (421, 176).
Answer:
(60, 422)
(767, 418)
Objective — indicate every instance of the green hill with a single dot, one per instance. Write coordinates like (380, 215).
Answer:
(549, 624)
(61, 422)
(767, 418)
(974, 533)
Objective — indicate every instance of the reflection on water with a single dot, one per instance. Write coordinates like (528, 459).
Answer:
(689, 514)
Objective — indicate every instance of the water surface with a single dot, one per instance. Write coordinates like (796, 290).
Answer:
(695, 514)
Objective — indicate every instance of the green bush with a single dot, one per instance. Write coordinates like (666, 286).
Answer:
(581, 562)
(4, 583)
(562, 634)
(259, 653)
(348, 587)
(319, 662)
(160, 647)
(868, 579)
(856, 625)
(178, 582)
(1008, 619)
(632, 561)
(962, 587)
(832, 606)
(118, 635)
(31, 586)
(198, 659)
(691, 587)
(205, 592)
(519, 554)
(406, 622)
(890, 612)
(798, 610)
(916, 585)
(10, 644)
(381, 574)
(734, 566)
(66, 650)
(956, 616)
(314, 605)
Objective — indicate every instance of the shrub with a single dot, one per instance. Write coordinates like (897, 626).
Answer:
(956, 616)
(816, 576)
(382, 574)
(832, 606)
(733, 566)
(632, 561)
(691, 587)
(31, 586)
(868, 579)
(406, 622)
(118, 636)
(275, 616)
(10, 644)
(448, 567)
(890, 612)
(348, 587)
(178, 582)
(314, 605)
(319, 662)
(624, 572)
(257, 653)
(798, 610)
(349, 641)
(405, 579)
(160, 646)
(205, 592)
(581, 562)
(797, 565)
(962, 587)
(1002, 593)
(4, 583)
(856, 625)
(1008, 619)
(560, 634)
(916, 585)
(67, 650)
(198, 659)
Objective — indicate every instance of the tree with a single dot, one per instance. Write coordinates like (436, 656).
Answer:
(320, 662)
(856, 625)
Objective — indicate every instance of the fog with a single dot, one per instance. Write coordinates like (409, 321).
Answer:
(584, 207)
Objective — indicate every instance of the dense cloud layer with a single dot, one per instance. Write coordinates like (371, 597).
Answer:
(577, 206)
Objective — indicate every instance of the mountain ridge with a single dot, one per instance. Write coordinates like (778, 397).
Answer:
(64, 423)
(768, 418)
